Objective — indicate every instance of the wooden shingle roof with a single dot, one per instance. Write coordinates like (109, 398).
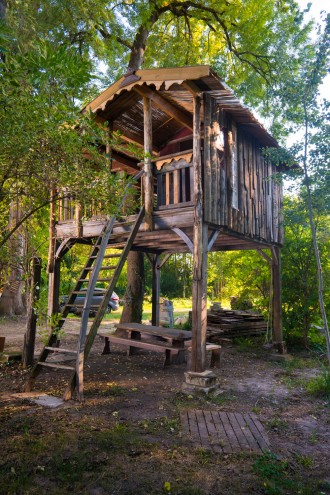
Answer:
(171, 90)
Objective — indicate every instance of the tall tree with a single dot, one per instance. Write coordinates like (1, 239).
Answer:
(301, 104)
(125, 35)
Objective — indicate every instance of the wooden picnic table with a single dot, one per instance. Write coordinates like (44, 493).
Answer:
(170, 341)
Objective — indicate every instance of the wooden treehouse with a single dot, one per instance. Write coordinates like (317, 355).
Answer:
(205, 186)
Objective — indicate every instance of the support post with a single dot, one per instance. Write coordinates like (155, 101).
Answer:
(54, 288)
(199, 308)
(148, 177)
(155, 289)
(31, 322)
(78, 218)
(277, 300)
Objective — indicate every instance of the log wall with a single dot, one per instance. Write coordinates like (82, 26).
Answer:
(242, 190)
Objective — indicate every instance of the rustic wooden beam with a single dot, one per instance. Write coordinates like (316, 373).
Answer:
(164, 260)
(148, 180)
(78, 219)
(179, 115)
(208, 179)
(64, 247)
(52, 230)
(199, 299)
(192, 87)
(54, 288)
(124, 160)
(155, 289)
(213, 237)
(118, 106)
(265, 256)
(185, 238)
(129, 136)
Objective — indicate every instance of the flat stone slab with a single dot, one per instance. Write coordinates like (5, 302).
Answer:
(224, 432)
(41, 399)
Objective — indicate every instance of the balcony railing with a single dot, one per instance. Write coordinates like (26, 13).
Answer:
(174, 175)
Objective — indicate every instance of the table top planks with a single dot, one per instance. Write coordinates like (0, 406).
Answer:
(167, 333)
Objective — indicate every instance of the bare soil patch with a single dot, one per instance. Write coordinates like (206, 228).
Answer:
(126, 437)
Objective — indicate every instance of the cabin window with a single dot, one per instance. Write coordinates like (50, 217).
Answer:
(233, 168)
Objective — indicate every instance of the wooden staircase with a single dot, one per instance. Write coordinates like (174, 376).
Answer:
(99, 268)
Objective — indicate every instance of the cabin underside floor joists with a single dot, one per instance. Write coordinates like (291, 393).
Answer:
(171, 234)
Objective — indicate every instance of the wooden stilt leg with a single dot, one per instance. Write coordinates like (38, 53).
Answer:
(155, 289)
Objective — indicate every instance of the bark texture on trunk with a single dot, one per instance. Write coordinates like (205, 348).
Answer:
(11, 301)
(133, 300)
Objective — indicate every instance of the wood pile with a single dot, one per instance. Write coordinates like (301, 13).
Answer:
(225, 323)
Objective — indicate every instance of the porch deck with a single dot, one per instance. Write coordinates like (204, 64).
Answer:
(172, 233)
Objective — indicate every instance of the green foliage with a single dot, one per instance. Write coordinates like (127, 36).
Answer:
(320, 385)
(280, 479)
(299, 278)
(242, 274)
(274, 473)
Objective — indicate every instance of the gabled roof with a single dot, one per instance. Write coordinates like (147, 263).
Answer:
(171, 90)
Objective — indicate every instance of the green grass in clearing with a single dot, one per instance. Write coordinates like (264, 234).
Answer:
(181, 308)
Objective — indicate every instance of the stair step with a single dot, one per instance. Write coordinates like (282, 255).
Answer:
(77, 305)
(107, 256)
(56, 366)
(104, 279)
(97, 293)
(102, 268)
(61, 349)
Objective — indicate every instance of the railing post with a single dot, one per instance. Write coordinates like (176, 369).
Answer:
(78, 218)
(148, 178)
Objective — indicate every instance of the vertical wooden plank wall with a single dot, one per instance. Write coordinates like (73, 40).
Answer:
(259, 210)
(212, 172)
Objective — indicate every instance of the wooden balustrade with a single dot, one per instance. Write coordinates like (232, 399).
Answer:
(70, 209)
(175, 183)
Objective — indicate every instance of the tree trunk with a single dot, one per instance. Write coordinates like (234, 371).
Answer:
(31, 323)
(11, 301)
(139, 45)
(133, 300)
(314, 237)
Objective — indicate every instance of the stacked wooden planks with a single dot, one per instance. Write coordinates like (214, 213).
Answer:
(224, 323)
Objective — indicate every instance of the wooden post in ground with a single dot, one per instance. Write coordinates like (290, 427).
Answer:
(148, 177)
(53, 265)
(31, 323)
(54, 288)
(277, 300)
(155, 289)
(199, 309)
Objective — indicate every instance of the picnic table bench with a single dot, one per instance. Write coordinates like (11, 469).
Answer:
(173, 342)
(170, 341)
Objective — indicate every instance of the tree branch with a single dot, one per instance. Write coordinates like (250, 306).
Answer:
(25, 217)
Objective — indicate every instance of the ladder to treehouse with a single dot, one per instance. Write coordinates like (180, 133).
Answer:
(98, 262)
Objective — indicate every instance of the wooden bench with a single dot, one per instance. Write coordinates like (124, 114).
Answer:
(169, 341)
(215, 351)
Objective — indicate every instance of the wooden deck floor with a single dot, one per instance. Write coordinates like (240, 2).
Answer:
(172, 228)
(224, 432)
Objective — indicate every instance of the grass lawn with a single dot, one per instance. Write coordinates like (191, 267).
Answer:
(181, 308)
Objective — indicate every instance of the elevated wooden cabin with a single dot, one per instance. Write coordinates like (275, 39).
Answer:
(206, 184)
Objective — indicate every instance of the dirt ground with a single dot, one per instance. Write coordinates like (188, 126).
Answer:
(126, 437)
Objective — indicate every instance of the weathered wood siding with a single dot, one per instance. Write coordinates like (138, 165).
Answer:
(242, 190)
